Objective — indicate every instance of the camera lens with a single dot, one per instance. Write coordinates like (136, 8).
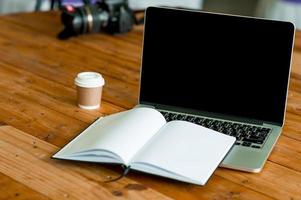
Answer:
(100, 18)
(86, 19)
(109, 16)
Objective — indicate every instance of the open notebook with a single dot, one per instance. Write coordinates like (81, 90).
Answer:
(141, 139)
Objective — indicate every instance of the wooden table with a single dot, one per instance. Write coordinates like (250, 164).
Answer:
(38, 115)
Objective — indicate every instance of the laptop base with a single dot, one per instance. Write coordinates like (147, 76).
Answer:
(244, 158)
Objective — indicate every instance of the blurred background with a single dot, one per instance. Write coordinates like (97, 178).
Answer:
(286, 10)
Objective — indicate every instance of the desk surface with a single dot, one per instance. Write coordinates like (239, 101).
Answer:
(38, 115)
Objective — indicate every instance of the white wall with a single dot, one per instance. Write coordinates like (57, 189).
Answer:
(227, 6)
(280, 10)
(142, 4)
(12, 6)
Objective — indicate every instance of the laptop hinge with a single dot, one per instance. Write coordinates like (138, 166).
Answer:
(204, 113)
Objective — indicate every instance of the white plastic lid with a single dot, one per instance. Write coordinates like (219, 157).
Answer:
(89, 80)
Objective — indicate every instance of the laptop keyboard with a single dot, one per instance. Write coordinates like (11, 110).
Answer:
(246, 135)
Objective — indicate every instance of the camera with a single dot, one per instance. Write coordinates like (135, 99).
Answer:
(111, 16)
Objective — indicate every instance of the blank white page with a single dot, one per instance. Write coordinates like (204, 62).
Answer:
(123, 133)
(185, 149)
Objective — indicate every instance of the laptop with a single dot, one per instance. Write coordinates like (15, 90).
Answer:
(227, 73)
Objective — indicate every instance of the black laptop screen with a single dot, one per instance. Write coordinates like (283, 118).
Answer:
(216, 63)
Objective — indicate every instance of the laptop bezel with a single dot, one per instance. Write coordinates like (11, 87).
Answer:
(205, 113)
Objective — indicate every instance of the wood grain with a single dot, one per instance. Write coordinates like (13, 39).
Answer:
(19, 150)
(298, 41)
(64, 179)
(10, 189)
(38, 115)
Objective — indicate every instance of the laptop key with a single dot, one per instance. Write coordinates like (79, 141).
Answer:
(235, 126)
(246, 144)
(180, 117)
(227, 124)
(174, 117)
(252, 137)
(221, 129)
(254, 129)
(201, 120)
(215, 128)
(210, 122)
(190, 118)
(196, 120)
(233, 134)
(252, 141)
(184, 117)
(263, 134)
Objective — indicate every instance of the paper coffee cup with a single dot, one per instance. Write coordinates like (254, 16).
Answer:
(89, 89)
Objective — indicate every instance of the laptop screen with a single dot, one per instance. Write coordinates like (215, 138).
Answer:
(216, 63)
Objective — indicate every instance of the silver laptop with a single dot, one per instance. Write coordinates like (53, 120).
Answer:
(227, 73)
